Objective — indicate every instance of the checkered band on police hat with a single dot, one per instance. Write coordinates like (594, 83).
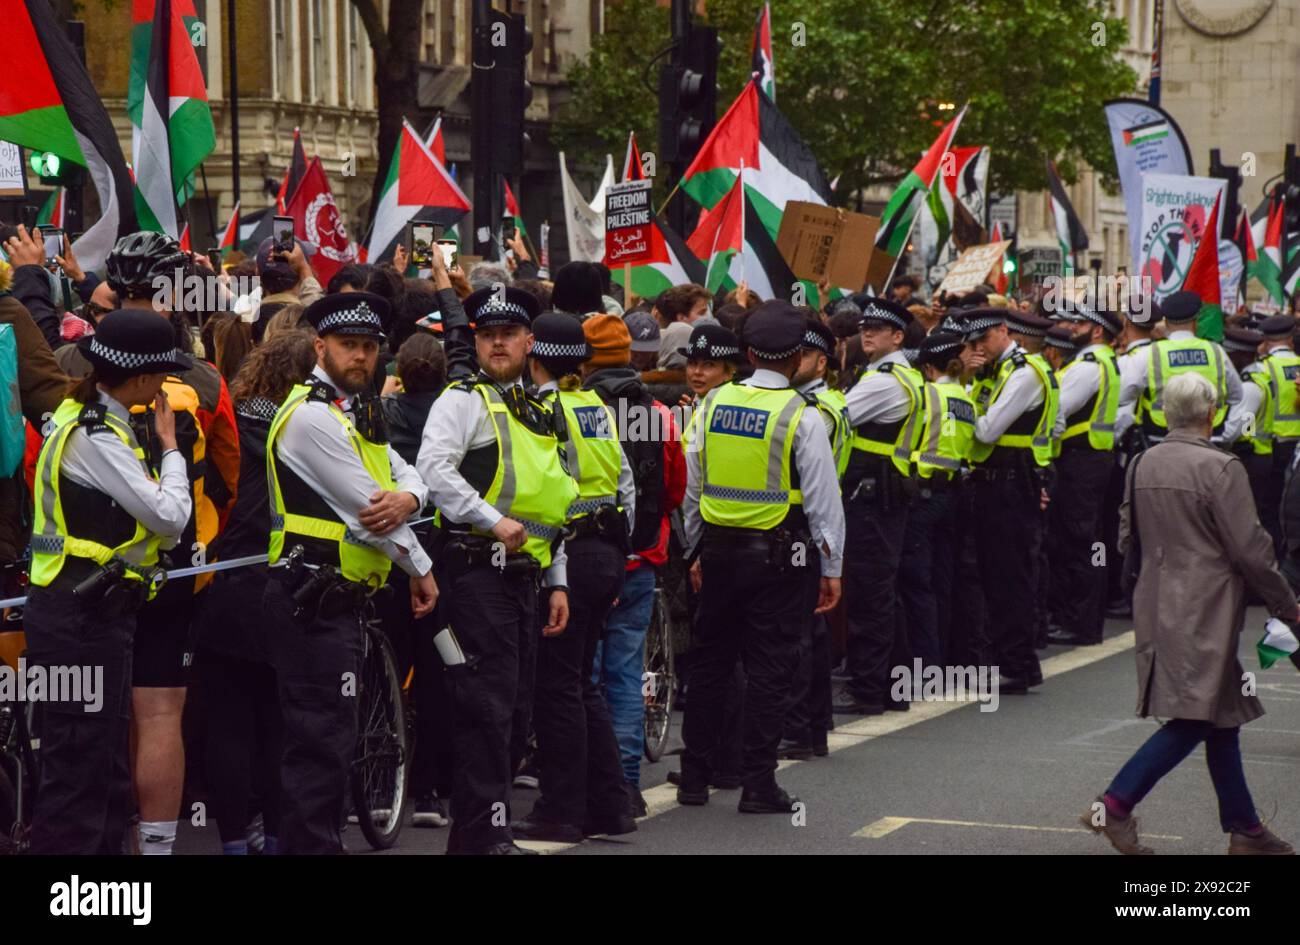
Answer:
(360, 319)
(130, 360)
(1023, 327)
(706, 350)
(812, 339)
(551, 349)
(973, 325)
(1061, 340)
(1106, 320)
(876, 313)
(497, 310)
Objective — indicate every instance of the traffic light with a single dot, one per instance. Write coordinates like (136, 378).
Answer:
(688, 102)
(499, 96)
(53, 170)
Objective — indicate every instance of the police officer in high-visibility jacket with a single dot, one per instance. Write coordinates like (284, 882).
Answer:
(1014, 429)
(491, 457)
(925, 576)
(101, 517)
(811, 715)
(1255, 446)
(1282, 366)
(1089, 404)
(581, 780)
(340, 497)
(1182, 351)
(885, 411)
(761, 501)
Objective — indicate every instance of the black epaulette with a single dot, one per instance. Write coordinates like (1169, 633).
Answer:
(1090, 356)
(1019, 359)
(886, 368)
(91, 418)
(319, 391)
(464, 385)
(809, 399)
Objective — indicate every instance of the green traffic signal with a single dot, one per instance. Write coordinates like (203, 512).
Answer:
(1008, 265)
(45, 164)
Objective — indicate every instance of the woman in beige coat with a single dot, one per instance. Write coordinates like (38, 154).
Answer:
(1188, 509)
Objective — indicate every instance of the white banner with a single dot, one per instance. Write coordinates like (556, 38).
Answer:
(1175, 209)
(584, 223)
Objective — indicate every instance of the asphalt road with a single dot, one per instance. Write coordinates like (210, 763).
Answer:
(948, 778)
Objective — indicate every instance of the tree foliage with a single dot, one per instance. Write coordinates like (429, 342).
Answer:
(863, 88)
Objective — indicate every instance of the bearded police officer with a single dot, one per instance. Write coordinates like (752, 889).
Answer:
(884, 409)
(1281, 365)
(1089, 404)
(761, 500)
(491, 458)
(340, 497)
(1017, 402)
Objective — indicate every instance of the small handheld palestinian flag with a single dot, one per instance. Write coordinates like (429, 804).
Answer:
(230, 237)
(293, 174)
(1203, 279)
(900, 213)
(1278, 642)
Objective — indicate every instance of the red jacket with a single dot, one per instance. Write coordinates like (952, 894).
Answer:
(674, 490)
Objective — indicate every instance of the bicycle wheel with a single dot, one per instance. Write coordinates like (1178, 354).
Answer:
(379, 772)
(660, 679)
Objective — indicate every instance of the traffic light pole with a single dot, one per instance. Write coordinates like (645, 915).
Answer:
(487, 200)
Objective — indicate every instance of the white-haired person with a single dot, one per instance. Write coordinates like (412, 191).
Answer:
(1189, 516)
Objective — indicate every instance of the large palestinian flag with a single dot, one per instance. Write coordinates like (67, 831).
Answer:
(1203, 279)
(50, 104)
(734, 245)
(293, 174)
(1266, 266)
(418, 187)
(1070, 235)
(672, 264)
(897, 218)
(167, 102)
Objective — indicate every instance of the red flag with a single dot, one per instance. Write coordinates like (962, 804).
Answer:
(1203, 279)
(316, 220)
(185, 239)
(632, 169)
(1000, 281)
(231, 234)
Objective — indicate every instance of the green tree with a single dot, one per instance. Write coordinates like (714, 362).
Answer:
(861, 80)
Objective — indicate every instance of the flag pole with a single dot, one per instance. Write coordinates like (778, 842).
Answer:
(627, 285)
(670, 196)
(741, 253)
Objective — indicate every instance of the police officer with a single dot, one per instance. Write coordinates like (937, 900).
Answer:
(101, 517)
(1182, 351)
(810, 716)
(885, 412)
(928, 564)
(340, 497)
(1282, 365)
(491, 458)
(581, 779)
(1017, 403)
(761, 499)
(1028, 330)
(1089, 404)
(1140, 319)
(1255, 446)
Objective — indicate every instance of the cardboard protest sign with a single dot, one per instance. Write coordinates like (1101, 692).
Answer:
(973, 267)
(820, 242)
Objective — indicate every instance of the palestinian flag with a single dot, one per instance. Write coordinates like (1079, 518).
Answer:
(947, 209)
(1000, 280)
(1150, 131)
(762, 65)
(167, 102)
(230, 236)
(512, 208)
(632, 168)
(1278, 642)
(185, 239)
(54, 107)
(900, 213)
(1291, 271)
(1266, 266)
(53, 209)
(1070, 235)
(733, 241)
(293, 175)
(720, 236)
(433, 140)
(418, 187)
(673, 264)
(1203, 279)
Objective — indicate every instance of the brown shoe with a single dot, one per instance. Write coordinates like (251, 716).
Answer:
(1122, 834)
(1265, 844)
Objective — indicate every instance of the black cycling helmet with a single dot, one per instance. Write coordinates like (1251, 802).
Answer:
(139, 258)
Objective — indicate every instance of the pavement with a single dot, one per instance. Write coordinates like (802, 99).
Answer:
(946, 777)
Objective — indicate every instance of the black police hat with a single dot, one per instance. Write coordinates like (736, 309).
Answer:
(348, 313)
(1027, 323)
(134, 341)
(887, 311)
(1277, 326)
(559, 342)
(774, 330)
(1242, 339)
(1181, 307)
(938, 348)
(712, 342)
(1060, 336)
(503, 306)
(1107, 320)
(818, 336)
(978, 321)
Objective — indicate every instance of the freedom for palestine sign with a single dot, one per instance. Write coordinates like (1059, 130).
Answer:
(629, 224)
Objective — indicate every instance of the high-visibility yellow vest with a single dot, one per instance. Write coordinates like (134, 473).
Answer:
(896, 441)
(1170, 357)
(1282, 365)
(746, 441)
(1097, 418)
(1259, 428)
(834, 407)
(948, 433)
(592, 452)
(526, 482)
(99, 529)
(1038, 440)
(306, 518)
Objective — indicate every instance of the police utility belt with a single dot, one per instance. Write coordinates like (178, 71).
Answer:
(879, 482)
(777, 543)
(607, 523)
(319, 591)
(462, 552)
(107, 589)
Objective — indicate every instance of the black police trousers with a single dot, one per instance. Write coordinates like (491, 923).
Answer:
(318, 670)
(1079, 564)
(1283, 452)
(1008, 520)
(877, 640)
(925, 573)
(581, 779)
(494, 617)
(754, 611)
(810, 716)
(84, 798)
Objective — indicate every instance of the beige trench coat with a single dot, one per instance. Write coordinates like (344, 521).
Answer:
(1201, 543)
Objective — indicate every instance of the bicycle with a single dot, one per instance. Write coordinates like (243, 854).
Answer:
(660, 678)
(19, 746)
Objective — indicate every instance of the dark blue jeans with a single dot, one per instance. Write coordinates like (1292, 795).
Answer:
(1174, 741)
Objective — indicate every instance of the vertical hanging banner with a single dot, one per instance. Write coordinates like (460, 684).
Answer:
(1174, 212)
(629, 224)
(1146, 140)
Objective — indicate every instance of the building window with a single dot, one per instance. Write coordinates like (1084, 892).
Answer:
(318, 69)
(282, 59)
(446, 31)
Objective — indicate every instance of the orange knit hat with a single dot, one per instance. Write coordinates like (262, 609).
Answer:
(609, 340)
